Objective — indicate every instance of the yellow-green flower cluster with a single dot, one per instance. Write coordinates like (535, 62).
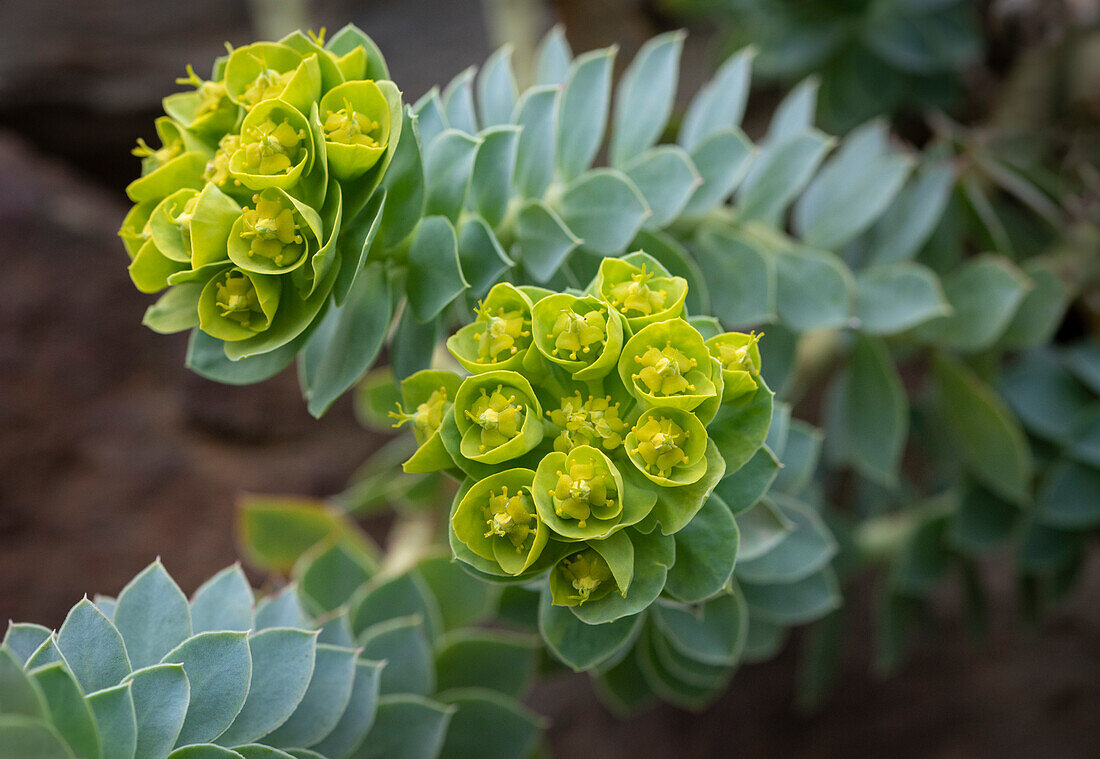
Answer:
(239, 213)
(581, 428)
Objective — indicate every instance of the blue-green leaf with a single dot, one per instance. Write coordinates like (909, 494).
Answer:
(22, 639)
(347, 341)
(93, 648)
(494, 165)
(581, 646)
(720, 104)
(23, 738)
(359, 714)
(740, 429)
(113, 709)
(496, 89)
(69, 712)
(218, 668)
(535, 116)
(984, 294)
(762, 528)
(1068, 498)
(401, 643)
(666, 177)
(224, 602)
(645, 96)
(543, 240)
(846, 197)
(706, 549)
(413, 342)
(488, 725)
(282, 665)
(912, 217)
(458, 102)
(722, 159)
(406, 727)
(206, 358)
(896, 297)
(742, 489)
(388, 598)
(806, 547)
(18, 694)
(1042, 309)
(869, 412)
(324, 701)
(152, 615)
(711, 633)
(740, 276)
(431, 119)
(404, 187)
(813, 289)
(582, 114)
(1049, 401)
(448, 165)
(989, 438)
(795, 603)
(482, 257)
(501, 661)
(435, 273)
(161, 694)
(779, 174)
(605, 209)
(554, 57)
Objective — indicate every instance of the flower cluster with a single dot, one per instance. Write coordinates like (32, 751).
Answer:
(581, 428)
(239, 213)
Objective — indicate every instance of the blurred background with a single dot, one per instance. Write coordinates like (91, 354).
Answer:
(112, 453)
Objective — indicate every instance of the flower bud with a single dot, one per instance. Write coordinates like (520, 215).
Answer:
(428, 397)
(498, 417)
(497, 520)
(643, 292)
(500, 335)
(739, 356)
(237, 304)
(580, 334)
(276, 147)
(667, 364)
(668, 445)
(355, 123)
(582, 495)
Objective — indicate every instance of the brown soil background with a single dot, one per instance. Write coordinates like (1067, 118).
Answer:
(111, 453)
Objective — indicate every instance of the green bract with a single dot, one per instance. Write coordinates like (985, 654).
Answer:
(583, 335)
(500, 336)
(258, 209)
(498, 417)
(588, 499)
(642, 293)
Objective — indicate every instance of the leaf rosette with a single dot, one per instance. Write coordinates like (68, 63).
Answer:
(258, 209)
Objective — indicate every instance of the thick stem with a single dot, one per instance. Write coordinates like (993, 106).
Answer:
(410, 539)
(517, 22)
(274, 19)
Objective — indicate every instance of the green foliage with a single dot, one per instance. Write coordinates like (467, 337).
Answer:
(444, 676)
(153, 674)
(872, 56)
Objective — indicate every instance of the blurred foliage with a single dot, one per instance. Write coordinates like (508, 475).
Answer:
(873, 56)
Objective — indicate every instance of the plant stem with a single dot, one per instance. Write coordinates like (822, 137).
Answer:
(412, 536)
(517, 22)
(274, 19)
